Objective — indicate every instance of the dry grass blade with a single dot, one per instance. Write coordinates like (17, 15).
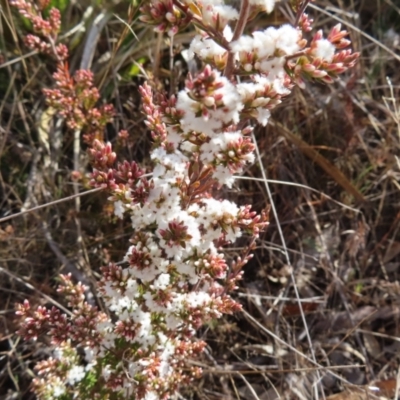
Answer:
(74, 196)
(380, 390)
(326, 165)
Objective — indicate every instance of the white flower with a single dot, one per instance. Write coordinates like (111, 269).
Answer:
(273, 68)
(58, 353)
(244, 43)
(119, 209)
(118, 304)
(287, 39)
(268, 5)
(213, 11)
(217, 210)
(131, 289)
(146, 274)
(324, 49)
(248, 90)
(142, 217)
(162, 281)
(171, 160)
(198, 299)
(263, 116)
(168, 350)
(106, 372)
(192, 230)
(58, 389)
(75, 374)
(265, 42)
(205, 48)
(228, 33)
(212, 151)
(223, 176)
(173, 322)
(227, 113)
(187, 269)
(266, 49)
(191, 122)
(150, 395)
(90, 354)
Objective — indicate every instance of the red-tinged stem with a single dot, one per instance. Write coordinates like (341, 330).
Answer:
(243, 17)
(215, 35)
(301, 10)
(295, 55)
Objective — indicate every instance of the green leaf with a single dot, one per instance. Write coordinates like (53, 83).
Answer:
(134, 69)
(60, 4)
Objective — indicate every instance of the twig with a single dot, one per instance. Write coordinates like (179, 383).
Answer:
(324, 195)
(69, 266)
(243, 16)
(50, 204)
(32, 179)
(300, 11)
(31, 287)
(287, 257)
(296, 351)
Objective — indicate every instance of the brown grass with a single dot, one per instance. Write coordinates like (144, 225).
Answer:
(328, 164)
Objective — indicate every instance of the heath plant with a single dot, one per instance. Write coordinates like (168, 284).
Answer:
(175, 276)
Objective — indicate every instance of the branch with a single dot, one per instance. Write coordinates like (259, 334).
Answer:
(50, 204)
(244, 14)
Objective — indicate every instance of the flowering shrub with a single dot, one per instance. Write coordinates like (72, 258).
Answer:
(175, 276)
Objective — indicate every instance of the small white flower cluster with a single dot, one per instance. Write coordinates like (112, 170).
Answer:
(261, 56)
(65, 359)
(267, 5)
(324, 50)
(215, 12)
(266, 51)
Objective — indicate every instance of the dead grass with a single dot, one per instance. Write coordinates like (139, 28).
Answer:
(321, 297)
